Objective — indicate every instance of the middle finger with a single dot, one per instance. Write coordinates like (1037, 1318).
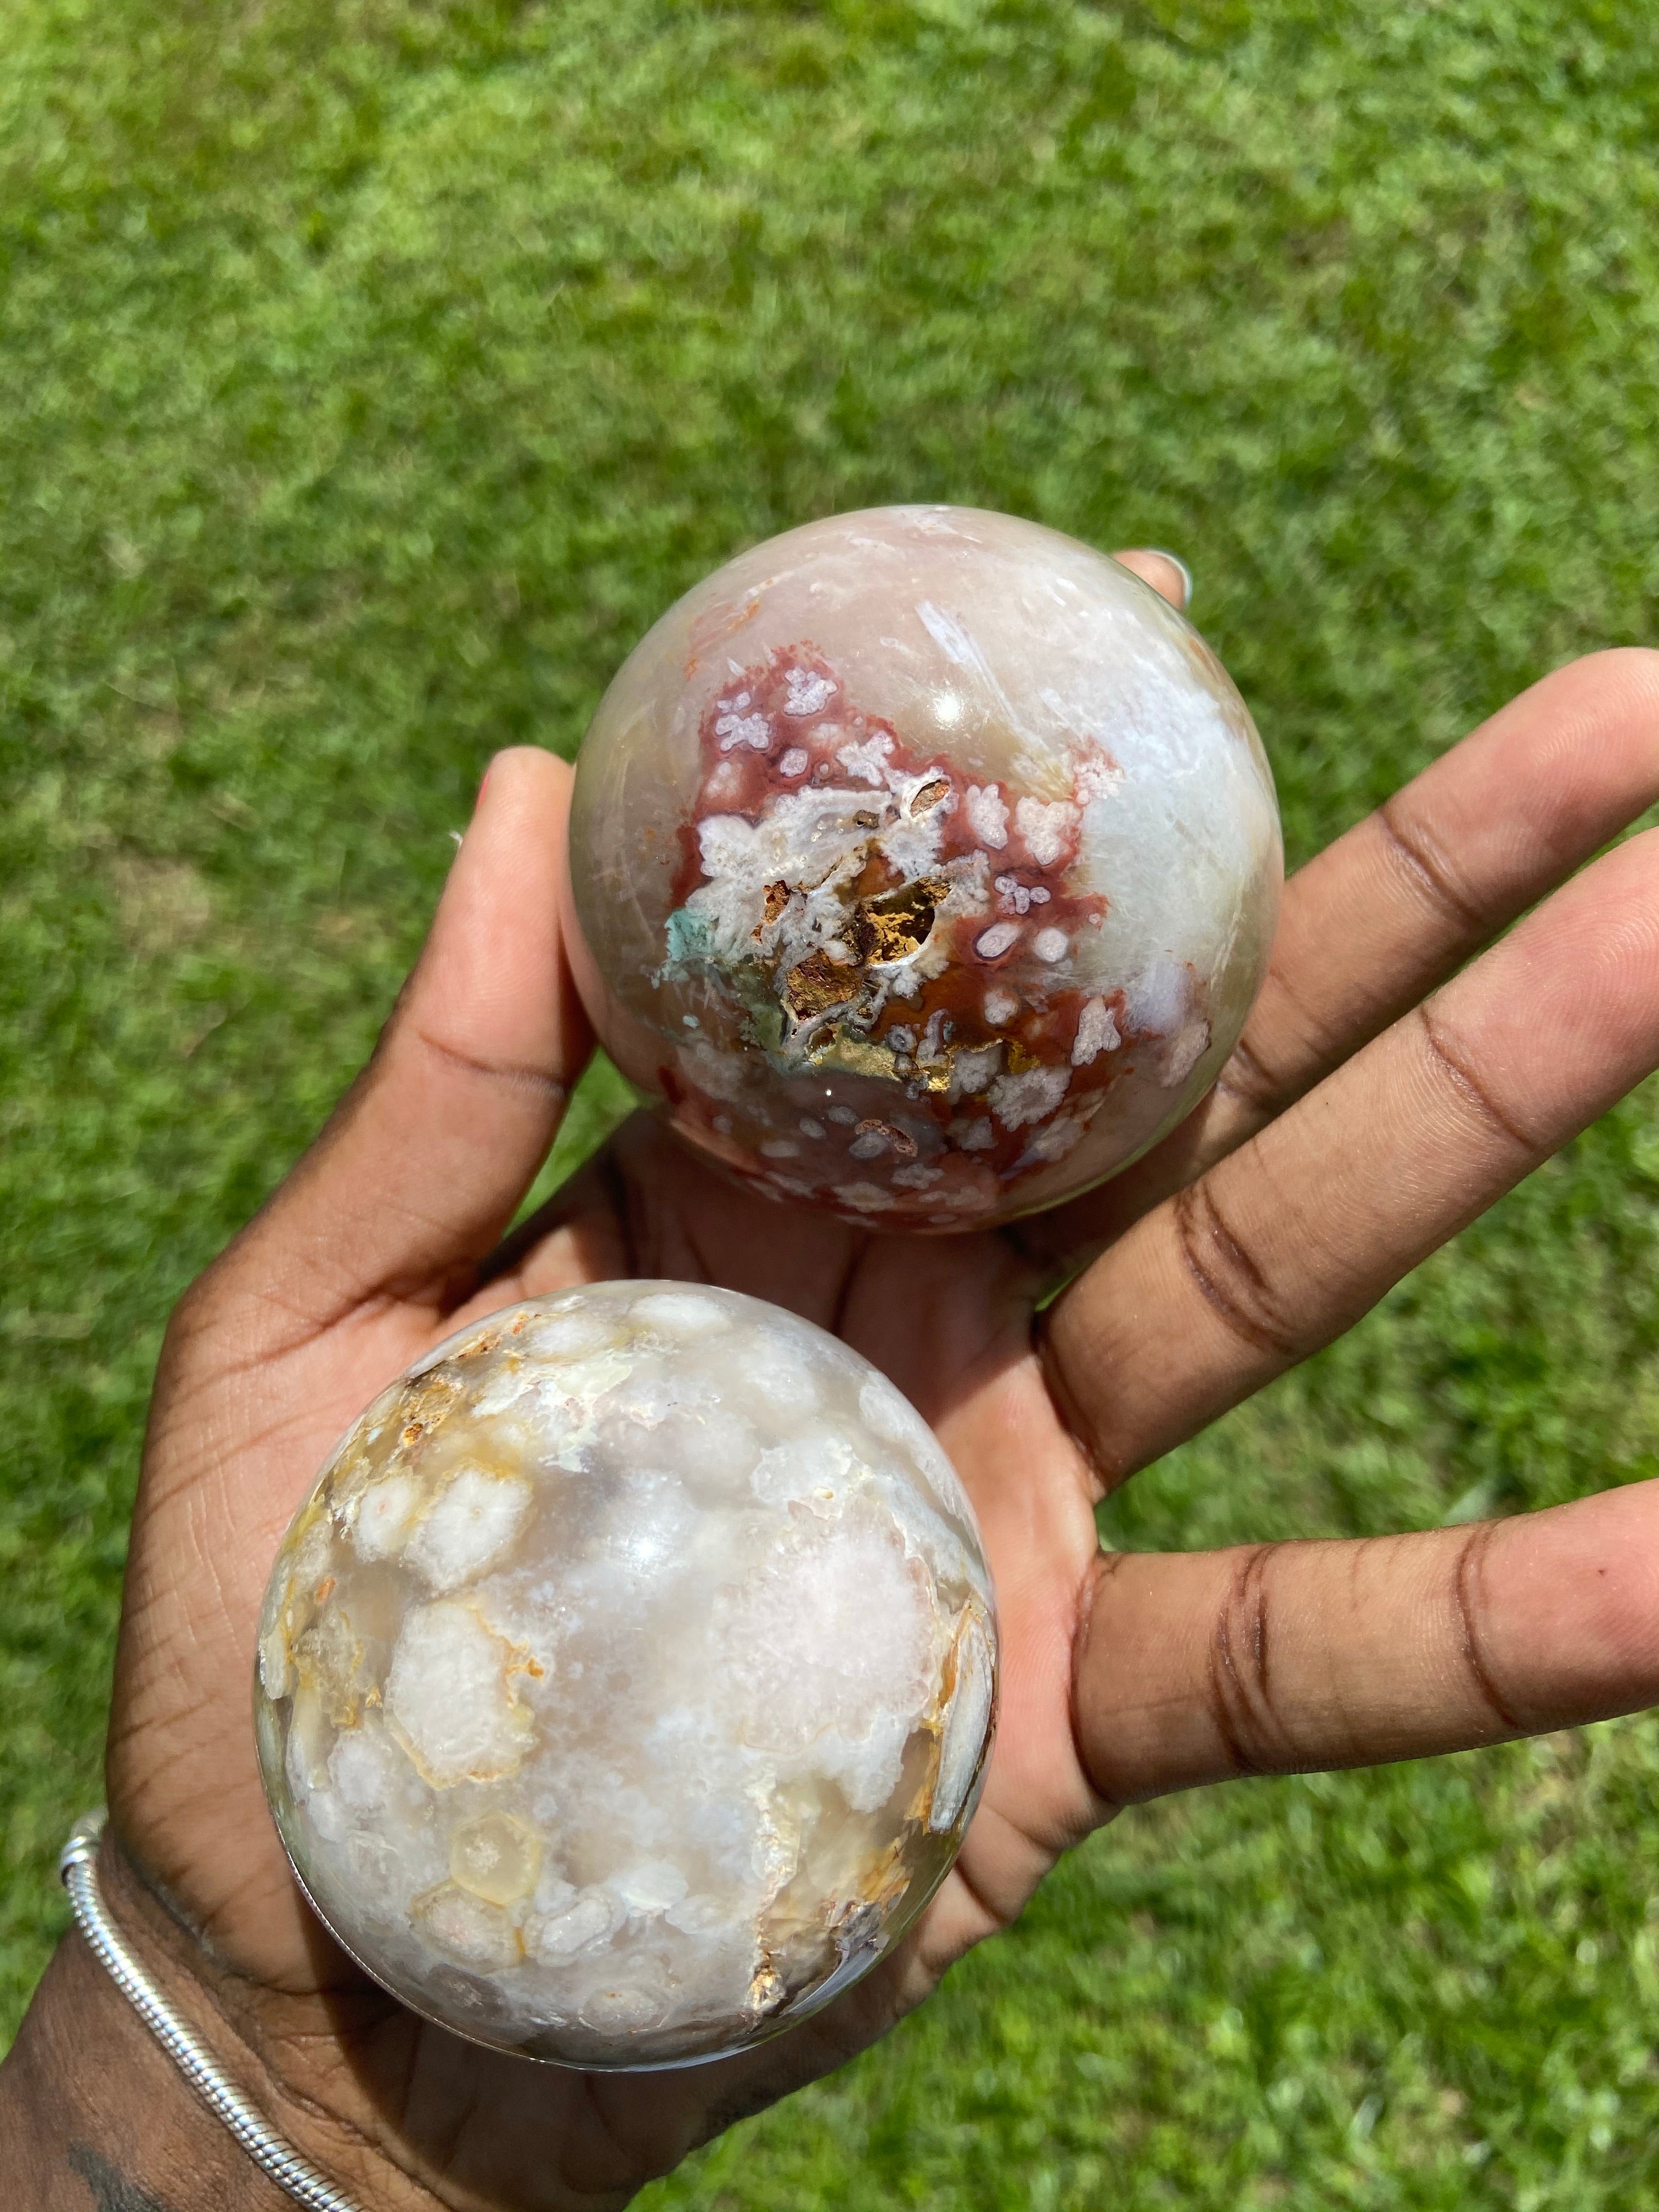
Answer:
(1398, 904)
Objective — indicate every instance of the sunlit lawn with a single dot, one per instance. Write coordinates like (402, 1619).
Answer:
(371, 375)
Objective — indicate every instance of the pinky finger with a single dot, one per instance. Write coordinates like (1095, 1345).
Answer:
(1287, 1658)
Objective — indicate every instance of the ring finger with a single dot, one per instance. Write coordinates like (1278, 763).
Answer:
(1287, 1241)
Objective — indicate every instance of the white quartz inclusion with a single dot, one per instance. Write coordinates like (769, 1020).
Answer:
(628, 1677)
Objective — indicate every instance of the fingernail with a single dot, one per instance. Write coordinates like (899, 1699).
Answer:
(1175, 562)
(484, 787)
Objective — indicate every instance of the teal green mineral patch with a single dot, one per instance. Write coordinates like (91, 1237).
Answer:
(689, 944)
(689, 941)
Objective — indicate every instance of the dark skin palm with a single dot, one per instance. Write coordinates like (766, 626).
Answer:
(950, 1321)
(1352, 1132)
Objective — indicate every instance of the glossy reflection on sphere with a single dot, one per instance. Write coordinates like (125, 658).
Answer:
(625, 1683)
(925, 862)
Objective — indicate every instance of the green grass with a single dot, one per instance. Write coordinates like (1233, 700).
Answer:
(371, 375)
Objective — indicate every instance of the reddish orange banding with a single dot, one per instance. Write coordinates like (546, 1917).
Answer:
(786, 724)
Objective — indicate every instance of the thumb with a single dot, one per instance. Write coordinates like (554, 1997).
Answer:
(422, 1163)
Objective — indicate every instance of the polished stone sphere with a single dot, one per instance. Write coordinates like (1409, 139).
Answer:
(925, 863)
(626, 1681)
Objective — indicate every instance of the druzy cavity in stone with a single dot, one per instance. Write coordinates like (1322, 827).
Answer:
(626, 1681)
(924, 862)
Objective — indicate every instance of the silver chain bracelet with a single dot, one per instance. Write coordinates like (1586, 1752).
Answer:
(78, 1865)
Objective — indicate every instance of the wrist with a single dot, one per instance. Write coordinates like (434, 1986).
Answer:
(93, 2103)
(93, 2110)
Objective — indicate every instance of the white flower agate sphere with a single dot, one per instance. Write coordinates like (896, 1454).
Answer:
(925, 862)
(626, 1681)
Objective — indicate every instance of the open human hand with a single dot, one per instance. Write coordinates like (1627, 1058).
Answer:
(1359, 1123)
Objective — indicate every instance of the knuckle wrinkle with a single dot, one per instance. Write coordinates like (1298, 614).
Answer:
(1466, 1079)
(1239, 1685)
(1245, 1077)
(1231, 1281)
(1469, 1607)
(1419, 859)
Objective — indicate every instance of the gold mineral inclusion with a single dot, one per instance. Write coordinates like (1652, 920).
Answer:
(817, 985)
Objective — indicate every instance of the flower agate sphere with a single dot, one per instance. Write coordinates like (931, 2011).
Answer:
(625, 1682)
(925, 862)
